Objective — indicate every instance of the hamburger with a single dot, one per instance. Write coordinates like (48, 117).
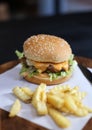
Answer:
(46, 59)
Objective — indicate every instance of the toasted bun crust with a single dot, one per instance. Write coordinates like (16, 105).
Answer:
(46, 48)
(42, 78)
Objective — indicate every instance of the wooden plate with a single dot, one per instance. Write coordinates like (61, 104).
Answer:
(18, 123)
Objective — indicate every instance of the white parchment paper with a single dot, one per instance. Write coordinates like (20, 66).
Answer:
(11, 78)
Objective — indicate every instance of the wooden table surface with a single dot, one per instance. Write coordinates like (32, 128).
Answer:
(18, 123)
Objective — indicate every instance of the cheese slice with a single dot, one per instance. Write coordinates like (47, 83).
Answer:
(57, 66)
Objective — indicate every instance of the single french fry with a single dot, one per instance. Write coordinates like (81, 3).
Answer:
(17, 91)
(82, 106)
(41, 108)
(80, 95)
(59, 88)
(81, 112)
(55, 101)
(64, 109)
(59, 119)
(43, 96)
(76, 99)
(37, 96)
(39, 99)
(28, 91)
(88, 109)
(57, 93)
(15, 108)
(70, 103)
(74, 90)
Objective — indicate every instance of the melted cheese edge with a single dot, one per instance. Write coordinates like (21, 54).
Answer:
(43, 66)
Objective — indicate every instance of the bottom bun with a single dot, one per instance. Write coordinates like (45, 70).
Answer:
(44, 78)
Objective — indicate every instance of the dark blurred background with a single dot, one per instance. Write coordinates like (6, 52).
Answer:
(70, 19)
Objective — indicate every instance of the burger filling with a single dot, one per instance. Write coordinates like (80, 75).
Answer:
(54, 70)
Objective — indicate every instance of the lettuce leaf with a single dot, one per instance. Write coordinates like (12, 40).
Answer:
(72, 64)
(30, 70)
(58, 74)
(19, 54)
(33, 71)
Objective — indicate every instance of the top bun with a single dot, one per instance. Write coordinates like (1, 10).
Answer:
(46, 48)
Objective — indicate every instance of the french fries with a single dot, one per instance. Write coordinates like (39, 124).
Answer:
(59, 119)
(57, 102)
(39, 99)
(15, 108)
(23, 94)
(70, 104)
(27, 90)
(60, 89)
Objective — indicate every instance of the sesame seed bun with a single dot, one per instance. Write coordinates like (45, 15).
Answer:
(44, 78)
(46, 48)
